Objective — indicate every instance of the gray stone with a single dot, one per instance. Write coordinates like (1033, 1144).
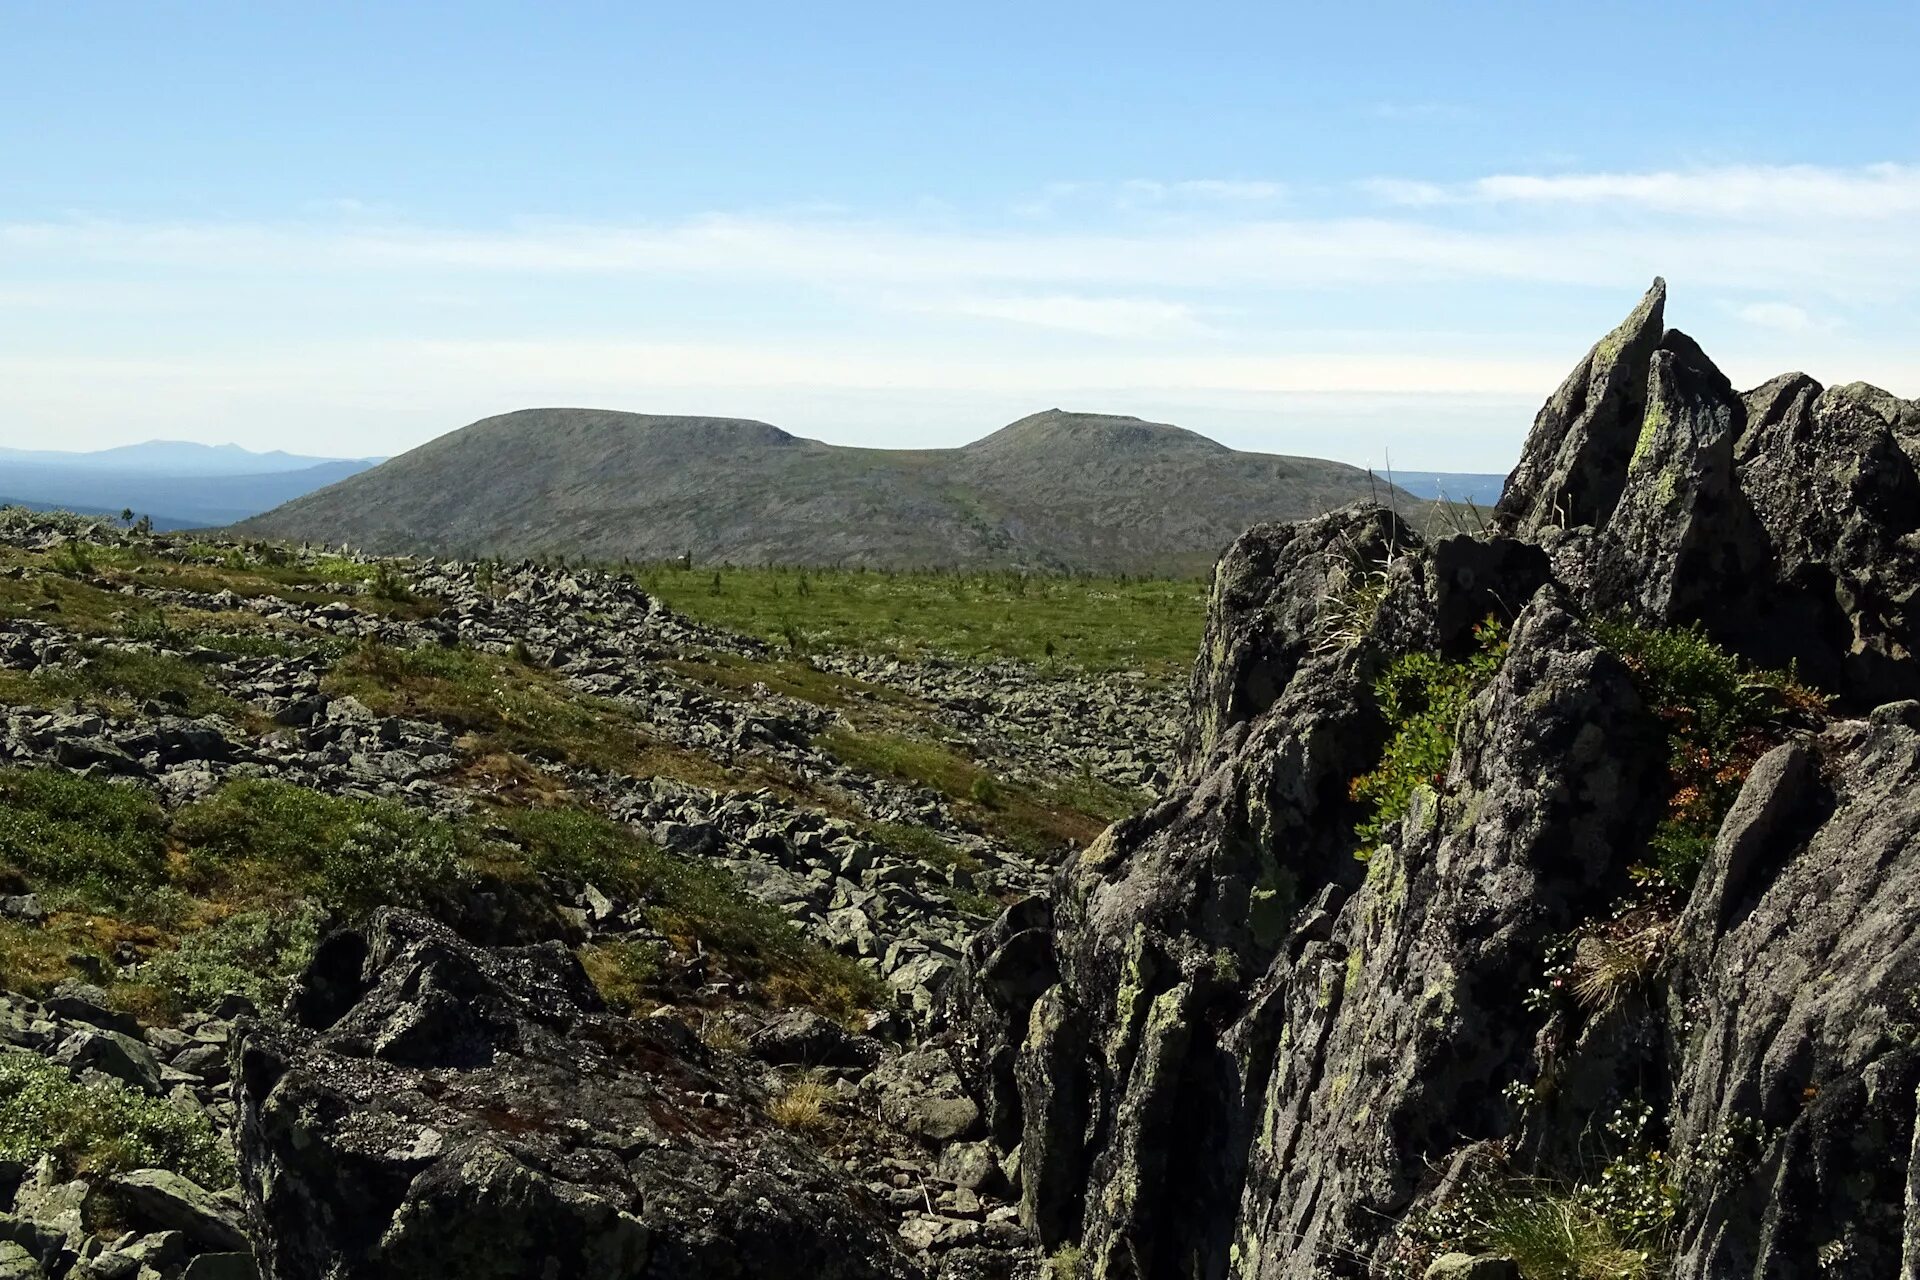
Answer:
(801, 1037)
(17, 1264)
(1574, 464)
(222, 1266)
(563, 1133)
(1467, 1266)
(83, 1002)
(173, 1203)
(112, 1053)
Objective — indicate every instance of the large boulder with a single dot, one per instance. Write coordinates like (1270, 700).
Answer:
(441, 1109)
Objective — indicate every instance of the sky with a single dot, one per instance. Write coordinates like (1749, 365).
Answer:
(1376, 232)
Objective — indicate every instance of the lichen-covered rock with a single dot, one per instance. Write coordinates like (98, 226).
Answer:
(1253, 1046)
(442, 1109)
(1689, 546)
(1799, 983)
(1839, 498)
(1413, 1004)
(1574, 465)
(1270, 592)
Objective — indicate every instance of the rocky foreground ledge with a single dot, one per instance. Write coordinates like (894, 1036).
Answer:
(1537, 903)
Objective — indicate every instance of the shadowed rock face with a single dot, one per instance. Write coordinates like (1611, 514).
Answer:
(442, 1109)
(1230, 1048)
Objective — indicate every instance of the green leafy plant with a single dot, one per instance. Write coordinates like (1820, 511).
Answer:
(257, 953)
(1421, 695)
(389, 584)
(1720, 715)
(80, 837)
(73, 558)
(1064, 1263)
(264, 835)
(1616, 1225)
(148, 624)
(102, 1126)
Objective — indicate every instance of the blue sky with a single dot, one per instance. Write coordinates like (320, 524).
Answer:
(1345, 230)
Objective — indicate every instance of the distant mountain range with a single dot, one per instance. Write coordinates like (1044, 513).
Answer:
(1056, 490)
(1480, 488)
(176, 483)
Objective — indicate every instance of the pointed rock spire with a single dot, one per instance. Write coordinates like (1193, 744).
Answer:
(1574, 464)
(1689, 542)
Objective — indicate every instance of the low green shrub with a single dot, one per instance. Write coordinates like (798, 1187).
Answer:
(281, 840)
(257, 953)
(388, 584)
(1041, 821)
(1721, 716)
(98, 842)
(148, 623)
(102, 1126)
(1421, 695)
(1617, 1224)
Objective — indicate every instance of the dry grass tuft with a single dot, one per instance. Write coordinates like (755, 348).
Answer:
(803, 1108)
(1608, 969)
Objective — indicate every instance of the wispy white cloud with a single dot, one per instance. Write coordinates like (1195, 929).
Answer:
(1782, 316)
(1243, 253)
(1196, 292)
(1746, 192)
(1143, 318)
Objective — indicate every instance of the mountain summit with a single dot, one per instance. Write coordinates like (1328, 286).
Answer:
(1056, 490)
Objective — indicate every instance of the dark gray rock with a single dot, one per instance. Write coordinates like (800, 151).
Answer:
(1686, 546)
(1227, 1047)
(1574, 464)
(1799, 971)
(801, 1037)
(111, 1053)
(169, 1202)
(439, 1109)
(1839, 498)
(83, 1002)
(221, 1266)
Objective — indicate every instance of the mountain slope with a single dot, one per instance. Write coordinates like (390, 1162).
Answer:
(1054, 490)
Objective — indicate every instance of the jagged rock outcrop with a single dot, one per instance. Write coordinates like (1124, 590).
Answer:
(1241, 1041)
(438, 1109)
(1800, 975)
(1573, 467)
(1832, 478)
